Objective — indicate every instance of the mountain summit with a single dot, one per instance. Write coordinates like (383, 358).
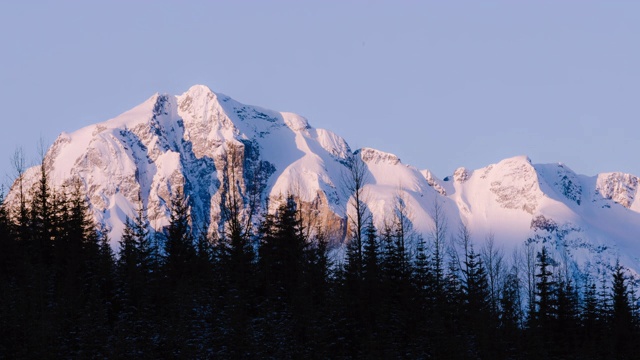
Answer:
(201, 142)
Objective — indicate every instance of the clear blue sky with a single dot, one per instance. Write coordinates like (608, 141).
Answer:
(442, 84)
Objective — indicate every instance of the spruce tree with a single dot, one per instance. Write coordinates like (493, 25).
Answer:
(566, 318)
(282, 248)
(545, 291)
(510, 309)
(180, 252)
(8, 248)
(135, 260)
(476, 301)
(42, 219)
(622, 329)
(371, 256)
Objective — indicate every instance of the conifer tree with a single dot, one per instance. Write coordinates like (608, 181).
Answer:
(422, 277)
(475, 286)
(127, 255)
(234, 249)
(179, 248)
(283, 266)
(135, 258)
(282, 248)
(477, 309)
(590, 312)
(41, 222)
(371, 256)
(622, 329)
(545, 290)
(510, 304)
(8, 248)
(565, 318)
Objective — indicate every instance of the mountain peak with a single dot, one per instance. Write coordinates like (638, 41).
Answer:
(198, 90)
(518, 159)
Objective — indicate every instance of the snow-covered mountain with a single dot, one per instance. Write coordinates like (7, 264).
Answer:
(196, 141)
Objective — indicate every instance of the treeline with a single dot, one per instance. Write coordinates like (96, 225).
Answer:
(273, 290)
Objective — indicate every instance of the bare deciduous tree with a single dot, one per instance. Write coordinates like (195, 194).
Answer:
(19, 165)
(403, 229)
(493, 260)
(354, 180)
(529, 267)
(438, 236)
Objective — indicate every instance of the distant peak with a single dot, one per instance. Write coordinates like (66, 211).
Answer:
(295, 122)
(199, 91)
(197, 97)
(199, 88)
(517, 161)
(520, 158)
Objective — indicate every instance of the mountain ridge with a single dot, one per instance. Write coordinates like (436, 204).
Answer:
(190, 141)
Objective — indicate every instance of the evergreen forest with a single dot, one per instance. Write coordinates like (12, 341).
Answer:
(271, 287)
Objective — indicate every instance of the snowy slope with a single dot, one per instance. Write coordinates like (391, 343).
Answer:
(189, 142)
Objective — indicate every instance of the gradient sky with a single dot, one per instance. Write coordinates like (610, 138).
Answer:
(441, 84)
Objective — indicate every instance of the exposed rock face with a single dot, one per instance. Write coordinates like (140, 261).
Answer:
(461, 175)
(376, 157)
(621, 188)
(434, 182)
(518, 186)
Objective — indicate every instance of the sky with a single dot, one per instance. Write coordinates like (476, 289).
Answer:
(441, 84)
